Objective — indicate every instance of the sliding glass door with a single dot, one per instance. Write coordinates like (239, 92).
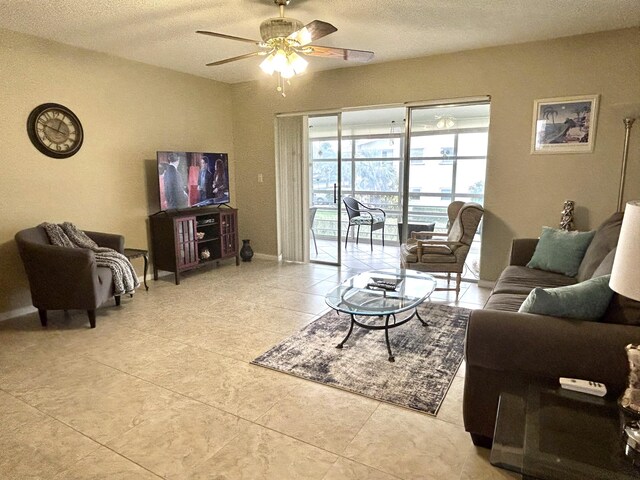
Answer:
(447, 161)
(325, 153)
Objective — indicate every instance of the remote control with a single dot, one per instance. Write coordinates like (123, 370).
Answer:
(583, 386)
(381, 286)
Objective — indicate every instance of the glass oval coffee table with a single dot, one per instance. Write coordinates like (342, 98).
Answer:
(374, 299)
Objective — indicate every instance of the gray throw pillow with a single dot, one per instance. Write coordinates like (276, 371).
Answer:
(605, 239)
(587, 300)
(606, 266)
(560, 251)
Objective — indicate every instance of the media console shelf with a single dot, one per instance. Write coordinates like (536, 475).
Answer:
(180, 240)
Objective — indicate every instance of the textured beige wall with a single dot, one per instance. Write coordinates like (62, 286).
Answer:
(128, 111)
(523, 191)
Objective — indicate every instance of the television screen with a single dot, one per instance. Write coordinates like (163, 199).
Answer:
(192, 179)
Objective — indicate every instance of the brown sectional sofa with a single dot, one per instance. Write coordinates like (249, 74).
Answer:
(506, 349)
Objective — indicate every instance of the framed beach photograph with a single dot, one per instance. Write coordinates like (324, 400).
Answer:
(564, 125)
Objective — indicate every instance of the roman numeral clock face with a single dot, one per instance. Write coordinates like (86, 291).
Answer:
(55, 130)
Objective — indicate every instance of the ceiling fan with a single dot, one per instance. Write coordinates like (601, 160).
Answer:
(285, 41)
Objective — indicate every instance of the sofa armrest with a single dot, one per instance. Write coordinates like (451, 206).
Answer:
(109, 240)
(522, 250)
(551, 347)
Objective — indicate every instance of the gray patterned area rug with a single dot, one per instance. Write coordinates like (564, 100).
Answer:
(426, 358)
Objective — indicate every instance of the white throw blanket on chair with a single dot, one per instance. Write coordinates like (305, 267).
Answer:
(68, 235)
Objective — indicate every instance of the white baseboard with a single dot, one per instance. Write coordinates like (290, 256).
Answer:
(486, 284)
(18, 312)
(264, 256)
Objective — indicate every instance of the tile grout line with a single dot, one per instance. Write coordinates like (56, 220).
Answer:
(100, 444)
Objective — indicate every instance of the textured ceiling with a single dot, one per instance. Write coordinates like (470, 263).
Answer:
(161, 32)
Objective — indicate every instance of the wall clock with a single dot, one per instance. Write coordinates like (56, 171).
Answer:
(55, 130)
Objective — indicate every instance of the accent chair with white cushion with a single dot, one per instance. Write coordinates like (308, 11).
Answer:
(426, 253)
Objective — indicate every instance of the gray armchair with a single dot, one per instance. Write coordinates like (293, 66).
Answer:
(426, 253)
(63, 278)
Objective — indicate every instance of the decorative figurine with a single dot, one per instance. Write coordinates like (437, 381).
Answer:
(566, 221)
(629, 404)
(631, 398)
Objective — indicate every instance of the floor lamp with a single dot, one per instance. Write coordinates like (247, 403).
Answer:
(628, 123)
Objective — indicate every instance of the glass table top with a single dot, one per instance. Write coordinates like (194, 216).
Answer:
(554, 434)
(381, 292)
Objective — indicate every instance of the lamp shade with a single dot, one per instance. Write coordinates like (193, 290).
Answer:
(625, 276)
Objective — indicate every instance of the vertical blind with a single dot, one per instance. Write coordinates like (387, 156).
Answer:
(290, 188)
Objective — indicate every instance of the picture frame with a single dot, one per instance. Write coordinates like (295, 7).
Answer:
(564, 124)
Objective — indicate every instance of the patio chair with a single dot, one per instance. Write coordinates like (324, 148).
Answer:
(360, 214)
(425, 253)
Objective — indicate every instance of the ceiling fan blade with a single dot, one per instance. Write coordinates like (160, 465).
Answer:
(312, 31)
(343, 53)
(233, 59)
(229, 37)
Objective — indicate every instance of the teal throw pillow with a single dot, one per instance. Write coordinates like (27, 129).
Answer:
(560, 251)
(586, 300)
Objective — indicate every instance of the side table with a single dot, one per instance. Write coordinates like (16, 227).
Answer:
(549, 433)
(132, 253)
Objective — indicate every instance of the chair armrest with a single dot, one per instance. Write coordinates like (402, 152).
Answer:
(420, 235)
(549, 347)
(367, 207)
(522, 250)
(426, 243)
(415, 235)
(376, 209)
(438, 242)
(109, 240)
(58, 276)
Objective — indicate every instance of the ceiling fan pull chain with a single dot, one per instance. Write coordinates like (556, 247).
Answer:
(281, 85)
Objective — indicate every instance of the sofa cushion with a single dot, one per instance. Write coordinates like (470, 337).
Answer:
(605, 239)
(560, 251)
(521, 280)
(437, 249)
(367, 220)
(586, 300)
(509, 302)
(432, 257)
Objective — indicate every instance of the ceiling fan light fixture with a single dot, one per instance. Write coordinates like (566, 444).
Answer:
(284, 43)
(267, 65)
(287, 72)
(279, 60)
(298, 63)
(445, 121)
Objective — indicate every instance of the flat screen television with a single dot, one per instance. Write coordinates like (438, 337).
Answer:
(192, 179)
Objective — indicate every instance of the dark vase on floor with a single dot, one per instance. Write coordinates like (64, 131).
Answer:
(246, 252)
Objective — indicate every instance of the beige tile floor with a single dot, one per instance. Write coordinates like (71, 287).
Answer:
(163, 388)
